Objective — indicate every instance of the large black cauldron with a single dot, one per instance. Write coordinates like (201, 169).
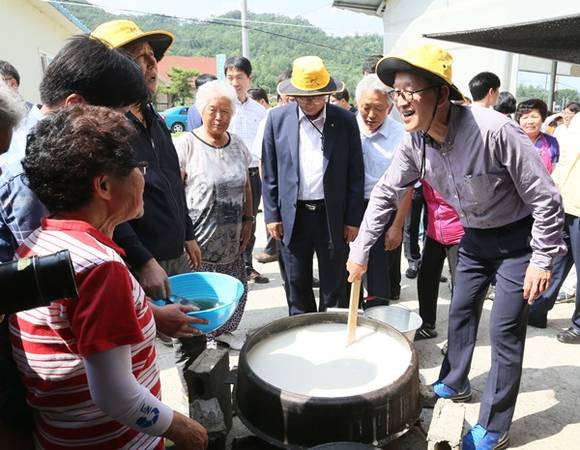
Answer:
(296, 421)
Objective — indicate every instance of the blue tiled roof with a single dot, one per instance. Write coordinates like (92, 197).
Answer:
(70, 16)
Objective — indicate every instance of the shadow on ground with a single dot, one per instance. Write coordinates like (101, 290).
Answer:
(550, 421)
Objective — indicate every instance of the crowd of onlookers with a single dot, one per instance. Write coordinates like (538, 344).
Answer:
(94, 170)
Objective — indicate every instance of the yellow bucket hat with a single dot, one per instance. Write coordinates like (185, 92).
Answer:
(119, 33)
(426, 60)
(309, 78)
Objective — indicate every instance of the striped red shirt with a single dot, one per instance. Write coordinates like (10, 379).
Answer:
(48, 343)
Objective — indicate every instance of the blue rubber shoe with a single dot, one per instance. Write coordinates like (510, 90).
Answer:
(478, 438)
(443, 391)
(431, 393)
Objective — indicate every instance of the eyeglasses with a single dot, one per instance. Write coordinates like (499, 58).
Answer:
(142, 166)
(408, 95)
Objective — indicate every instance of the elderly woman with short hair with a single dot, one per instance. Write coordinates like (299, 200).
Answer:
(89, 365)
(380, 136)
(218, 193)
(12, 111)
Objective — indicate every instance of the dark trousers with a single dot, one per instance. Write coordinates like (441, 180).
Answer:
(504, 252)
(383, 277)
(413, 224)
(562, 266)
(434, 254)
(311, 234)
(256, 184)
(395, 271)
(14, 411)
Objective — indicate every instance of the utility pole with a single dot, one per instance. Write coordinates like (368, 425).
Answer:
(551, 91)
(245, 43)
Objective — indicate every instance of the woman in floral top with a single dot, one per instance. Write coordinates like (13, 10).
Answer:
(215, 167)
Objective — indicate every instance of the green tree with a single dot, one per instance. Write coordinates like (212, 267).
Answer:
(526, 92)
(180, 88)
(561, 97)
(565, 96)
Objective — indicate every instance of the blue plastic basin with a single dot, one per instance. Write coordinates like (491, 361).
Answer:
(225, 290)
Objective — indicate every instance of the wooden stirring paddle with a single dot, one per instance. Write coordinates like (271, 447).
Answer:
(353, 312)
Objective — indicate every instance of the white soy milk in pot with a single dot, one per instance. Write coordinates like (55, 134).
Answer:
(315, 361)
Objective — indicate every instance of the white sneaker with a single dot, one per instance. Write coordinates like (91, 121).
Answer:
(231, 340)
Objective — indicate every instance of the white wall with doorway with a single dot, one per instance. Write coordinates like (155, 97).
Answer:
(33, 31)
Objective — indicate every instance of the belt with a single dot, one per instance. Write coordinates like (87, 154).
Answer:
(254, 171)
(526, 222)
(311, 205)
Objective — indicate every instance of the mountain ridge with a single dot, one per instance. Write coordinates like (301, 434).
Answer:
(272, 47)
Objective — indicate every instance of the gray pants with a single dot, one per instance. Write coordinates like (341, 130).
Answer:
(256, 184)
(176, 266)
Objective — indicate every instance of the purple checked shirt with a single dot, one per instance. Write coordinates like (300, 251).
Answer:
(487, 169)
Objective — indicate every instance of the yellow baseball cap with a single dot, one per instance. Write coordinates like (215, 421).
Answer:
(309, 78)
(119, 33)
(426, 60)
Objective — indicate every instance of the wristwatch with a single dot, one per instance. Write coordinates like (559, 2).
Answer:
(248, 218)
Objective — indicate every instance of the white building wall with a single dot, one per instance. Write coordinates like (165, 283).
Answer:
(31, 30)
(406, 21)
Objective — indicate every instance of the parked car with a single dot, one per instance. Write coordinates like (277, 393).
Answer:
(175, 118)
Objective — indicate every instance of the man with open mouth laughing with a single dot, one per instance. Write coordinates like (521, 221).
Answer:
(484, 166)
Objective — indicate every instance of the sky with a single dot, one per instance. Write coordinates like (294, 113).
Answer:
(319, 12)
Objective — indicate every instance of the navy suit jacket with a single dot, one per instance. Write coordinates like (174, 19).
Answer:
(343, 178)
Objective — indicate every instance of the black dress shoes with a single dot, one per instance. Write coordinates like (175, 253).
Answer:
(570, 336)
(537, 323)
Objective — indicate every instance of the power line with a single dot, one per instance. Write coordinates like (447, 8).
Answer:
(131, 11)
(303, 41)
(205, 22)
(264, 22)
(296, 25)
